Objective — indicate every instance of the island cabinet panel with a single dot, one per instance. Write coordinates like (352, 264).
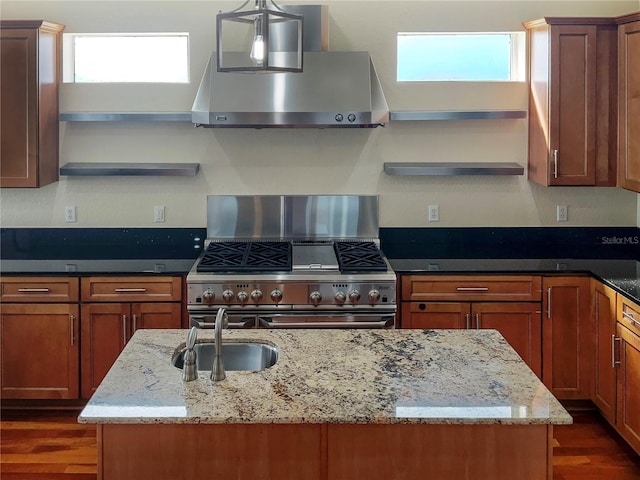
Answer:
(39, 318)
(461, 452)
(568, 337)
(604, 381)
(224, 451)
(29, 78)
(628, 415)
(629, 111)
(572, 101)
(109, 320)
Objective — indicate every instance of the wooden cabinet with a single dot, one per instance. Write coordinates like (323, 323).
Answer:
(568, 337)
(117, 307)
(518, 321)
(39, 338)
(629, 102)
(572, 101)
(603, 301)
(628, 415)
(29, 76)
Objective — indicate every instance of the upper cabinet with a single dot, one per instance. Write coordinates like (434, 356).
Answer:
(629, 102)
(572, 101)
(29, 76)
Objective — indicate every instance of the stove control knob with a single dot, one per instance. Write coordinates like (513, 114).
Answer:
(256, 296)
(354, 296)
(374, 296)
(340, 298)
(227, 296)
(208, 296)
(276, 296)
(315, 298)
(242, 297)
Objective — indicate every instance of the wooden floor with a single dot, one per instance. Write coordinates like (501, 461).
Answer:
(51, 445)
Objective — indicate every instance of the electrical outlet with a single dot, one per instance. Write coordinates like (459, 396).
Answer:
(562, 213)
(70, 214)
(434, 214)
(158, 213)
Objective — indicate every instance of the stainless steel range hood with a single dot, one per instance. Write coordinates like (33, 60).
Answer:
(336, 89)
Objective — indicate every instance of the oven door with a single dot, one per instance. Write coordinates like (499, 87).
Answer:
(326, 320)
(236, 320)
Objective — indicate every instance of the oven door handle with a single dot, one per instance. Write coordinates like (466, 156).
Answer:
(384, 322)
(200, 322)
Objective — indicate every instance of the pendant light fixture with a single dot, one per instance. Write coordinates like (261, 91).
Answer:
(246, 40)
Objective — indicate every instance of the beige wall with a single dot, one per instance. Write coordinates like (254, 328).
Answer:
(244, 161)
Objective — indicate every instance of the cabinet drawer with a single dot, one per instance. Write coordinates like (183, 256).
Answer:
(39, 289)
(629, 314)
(131, 289)
(476, 287)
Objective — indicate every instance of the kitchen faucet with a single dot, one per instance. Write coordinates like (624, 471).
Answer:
(217, 371)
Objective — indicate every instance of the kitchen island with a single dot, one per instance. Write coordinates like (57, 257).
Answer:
(338, 404)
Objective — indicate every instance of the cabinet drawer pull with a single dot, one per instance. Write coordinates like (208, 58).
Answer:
(614, 362)
(628, 316)
(135, 324)
(72, 323)
(130, 290)
(33, 290)
(472, 289)
(555, 164)
(477, 320)
(468, 320)
(549, 302)
(124, 330)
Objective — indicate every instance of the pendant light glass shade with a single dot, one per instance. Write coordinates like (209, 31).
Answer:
(246, 41)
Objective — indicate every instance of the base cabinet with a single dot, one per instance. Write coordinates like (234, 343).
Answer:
(603, 301)
(628, 415)
(518, 322)
(108, 324)
(39, 338)
(568, 337)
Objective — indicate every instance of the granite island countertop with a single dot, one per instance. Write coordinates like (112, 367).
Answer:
(331, 376)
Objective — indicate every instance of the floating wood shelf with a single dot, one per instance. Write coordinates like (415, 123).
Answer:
(453, 168)
(140, 169)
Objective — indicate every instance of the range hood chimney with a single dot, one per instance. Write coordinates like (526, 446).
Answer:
(335, 89)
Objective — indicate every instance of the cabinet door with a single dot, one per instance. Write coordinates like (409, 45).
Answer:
(39, 345)
(435, 315)
(155, 315)
(629, 106)
(519, 323)
(568, 337)
(629, 387)
(604, 318)
(105, 330)
(572, 101)
(29, 110)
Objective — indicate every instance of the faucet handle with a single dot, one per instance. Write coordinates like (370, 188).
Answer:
(190, 366)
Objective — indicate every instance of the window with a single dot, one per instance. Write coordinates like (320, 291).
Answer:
(134, 57)
(460, 57)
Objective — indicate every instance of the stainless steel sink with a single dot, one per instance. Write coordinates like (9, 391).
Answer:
(235, 355)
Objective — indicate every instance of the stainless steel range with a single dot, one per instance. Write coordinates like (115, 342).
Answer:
(293, 262)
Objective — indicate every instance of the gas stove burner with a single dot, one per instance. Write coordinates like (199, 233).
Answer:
(246, 257)
(359, 257)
